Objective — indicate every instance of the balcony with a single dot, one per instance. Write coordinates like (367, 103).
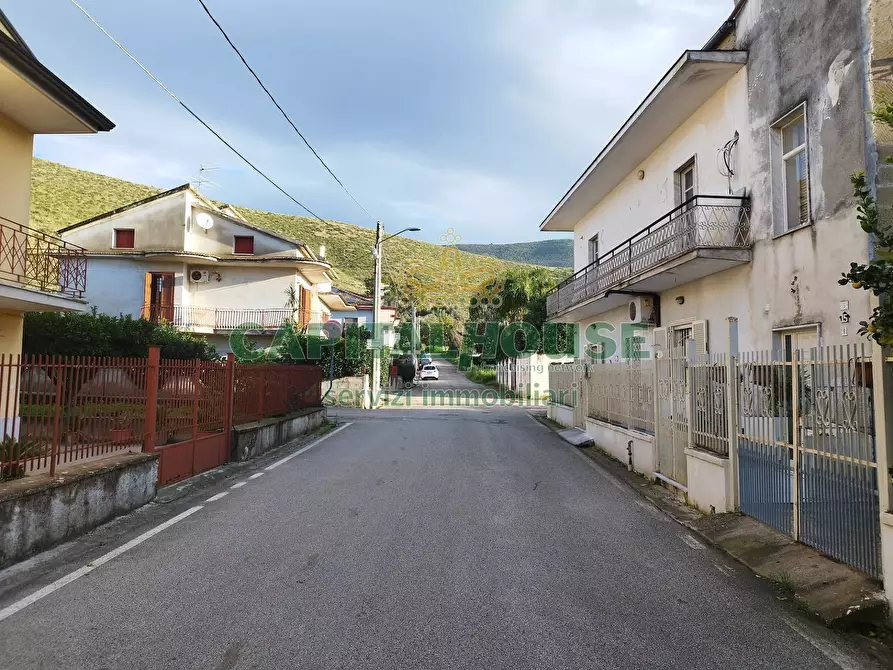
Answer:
(35, 261)
(703, 236)
(211, 320)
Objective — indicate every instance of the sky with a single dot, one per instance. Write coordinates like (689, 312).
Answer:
(475, 115)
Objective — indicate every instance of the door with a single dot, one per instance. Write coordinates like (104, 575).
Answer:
(158, 301)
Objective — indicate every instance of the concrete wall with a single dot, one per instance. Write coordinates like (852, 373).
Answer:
(218, 240)
(348, 392)
(117, 285)
(16, 147)
(241, 287)
(624, 445)
(708, 482)
(37, 518)
(159, 225)
(255, 439)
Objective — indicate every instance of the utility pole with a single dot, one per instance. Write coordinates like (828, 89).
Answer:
(412, 332)
(376, 315)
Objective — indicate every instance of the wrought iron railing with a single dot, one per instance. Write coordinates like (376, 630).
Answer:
(41, 261)
(704, 221)
(184, 316)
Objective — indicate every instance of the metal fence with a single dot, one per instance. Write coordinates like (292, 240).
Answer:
(56, 411)
(41, 261)
(708, 377)
(272, 390)
(217, 319)
(563, 383)
(622, 394)
(704, 221)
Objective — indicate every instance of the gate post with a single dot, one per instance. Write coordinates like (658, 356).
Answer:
(229, 390)
(732, 409)
(691, 355)
(795, 413)
(152, 366)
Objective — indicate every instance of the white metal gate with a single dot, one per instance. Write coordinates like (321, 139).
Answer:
(671, 420)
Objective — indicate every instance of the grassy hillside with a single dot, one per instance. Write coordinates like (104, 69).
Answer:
(551, 253)
(62, 195)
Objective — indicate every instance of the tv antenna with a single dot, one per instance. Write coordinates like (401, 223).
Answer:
(203, 180)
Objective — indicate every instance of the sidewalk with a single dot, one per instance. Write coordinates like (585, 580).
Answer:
(839, 596)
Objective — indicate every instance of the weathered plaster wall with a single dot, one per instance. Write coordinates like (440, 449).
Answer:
(117, 285)
(159, 225)
(219, 239)
(241, 287)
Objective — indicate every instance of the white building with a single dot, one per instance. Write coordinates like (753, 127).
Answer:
(176, 256)
(727, 193)
(357, 311)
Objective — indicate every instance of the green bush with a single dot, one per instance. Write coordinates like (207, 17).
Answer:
(61, 334)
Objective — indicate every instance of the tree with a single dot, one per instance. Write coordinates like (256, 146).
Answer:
(876, 275)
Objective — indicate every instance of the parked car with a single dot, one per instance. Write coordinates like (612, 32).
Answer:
(425, 360)
(430, 371)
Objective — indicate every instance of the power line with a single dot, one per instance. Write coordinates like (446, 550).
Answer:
(196, 116)
(279, 107)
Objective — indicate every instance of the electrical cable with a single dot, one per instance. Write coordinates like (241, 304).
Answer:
(196, 116)
(279, 107)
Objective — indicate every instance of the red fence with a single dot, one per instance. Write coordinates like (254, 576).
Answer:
(272, 390)
(57, 411)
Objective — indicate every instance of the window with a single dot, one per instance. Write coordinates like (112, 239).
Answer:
(124, 238)
(243, 244)
(791, 179)
(593, 249)
(686, 182)
(352, 321)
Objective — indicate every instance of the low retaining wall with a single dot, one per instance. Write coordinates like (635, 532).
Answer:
(561, 414)
(617, 442)
(40, 511)
(708, 481)
(251, 440)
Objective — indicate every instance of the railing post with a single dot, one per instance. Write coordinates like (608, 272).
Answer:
(196, 380)
(691, 355)
(229, 397)
(57, 415)
(795, 412)
(152, 368)
(732, 409)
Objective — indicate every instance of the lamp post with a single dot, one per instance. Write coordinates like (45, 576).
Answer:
(376, 305)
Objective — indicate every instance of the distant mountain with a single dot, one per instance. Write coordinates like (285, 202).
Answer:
(551, 253)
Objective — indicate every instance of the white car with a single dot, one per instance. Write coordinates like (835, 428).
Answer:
(429, 372)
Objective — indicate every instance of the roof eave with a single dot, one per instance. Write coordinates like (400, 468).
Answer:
(731, 61)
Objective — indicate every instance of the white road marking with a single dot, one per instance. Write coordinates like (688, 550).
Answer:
(826, 649)
(691, 541)
(256, 475)
(725, 569)
(18, 606)
(217, 497)
(307, 448)
(238, 485)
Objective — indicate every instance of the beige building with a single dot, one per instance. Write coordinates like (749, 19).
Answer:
(38, 272)
(178, 257)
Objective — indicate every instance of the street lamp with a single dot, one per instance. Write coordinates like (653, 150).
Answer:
(376, 302)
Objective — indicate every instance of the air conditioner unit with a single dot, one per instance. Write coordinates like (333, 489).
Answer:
(642, 309)
(199, 276)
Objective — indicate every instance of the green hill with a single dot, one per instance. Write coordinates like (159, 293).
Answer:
(62, 195)
(550, 253)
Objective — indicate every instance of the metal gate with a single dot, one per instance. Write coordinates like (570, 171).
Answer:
(806, 449)
(671, 422)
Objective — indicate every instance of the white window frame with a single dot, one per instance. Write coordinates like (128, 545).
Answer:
(115, 237)
(691, 165)
(780, 160)
(589, 243)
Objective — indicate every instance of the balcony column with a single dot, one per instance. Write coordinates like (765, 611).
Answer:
(11, 327)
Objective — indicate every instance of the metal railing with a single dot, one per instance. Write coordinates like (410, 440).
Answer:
(41, 261)
(704, 221)
(184, 316)
(622, 394)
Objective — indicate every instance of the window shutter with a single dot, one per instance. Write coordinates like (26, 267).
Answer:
(659, 340)
(243, 244)
(147, 297)
(124, 238)
(699, 333)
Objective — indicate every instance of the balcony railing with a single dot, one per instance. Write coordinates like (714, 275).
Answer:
(703, 222)
(40, 261)
(216, 319)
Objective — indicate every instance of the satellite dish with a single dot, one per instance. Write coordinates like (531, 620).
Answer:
(204, 221)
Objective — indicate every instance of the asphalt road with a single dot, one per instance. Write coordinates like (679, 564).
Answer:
(409, 539)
